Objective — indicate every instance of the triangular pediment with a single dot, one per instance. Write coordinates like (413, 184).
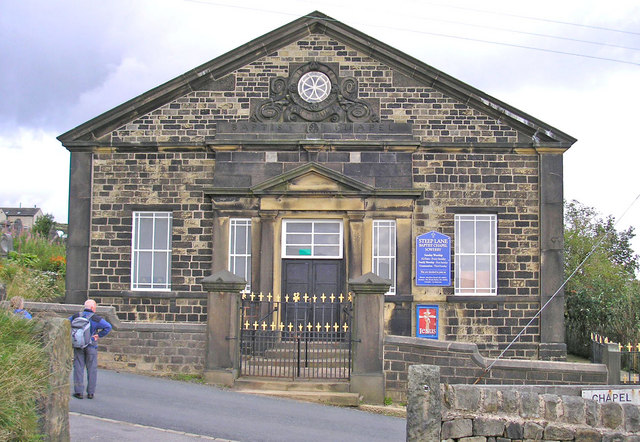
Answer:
(216, 75)
(312, 178)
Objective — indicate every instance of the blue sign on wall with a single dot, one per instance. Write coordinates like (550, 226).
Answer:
(427, 321)
(433, 260)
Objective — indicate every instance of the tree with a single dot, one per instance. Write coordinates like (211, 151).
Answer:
(43, 225)
(603, 296)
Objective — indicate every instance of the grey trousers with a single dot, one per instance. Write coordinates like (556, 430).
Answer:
(85, 358)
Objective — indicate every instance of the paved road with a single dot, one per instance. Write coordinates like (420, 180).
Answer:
(134, 407)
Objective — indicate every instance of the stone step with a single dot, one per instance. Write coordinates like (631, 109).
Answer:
(327, 398)
(329, 393)
(263, 383)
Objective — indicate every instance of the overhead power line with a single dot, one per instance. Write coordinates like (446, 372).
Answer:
(458, 37)
(528, 17)
(578, 267)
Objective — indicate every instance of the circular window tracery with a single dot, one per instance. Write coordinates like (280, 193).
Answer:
(314, 87)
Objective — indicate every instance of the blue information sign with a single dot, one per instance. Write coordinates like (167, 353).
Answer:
(433, 260)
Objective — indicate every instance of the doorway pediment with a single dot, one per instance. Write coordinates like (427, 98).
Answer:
(310, 179)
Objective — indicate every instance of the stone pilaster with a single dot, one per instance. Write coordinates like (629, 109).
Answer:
(552, 331)
(77, 278)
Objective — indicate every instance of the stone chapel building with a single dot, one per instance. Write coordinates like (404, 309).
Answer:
(312, 155)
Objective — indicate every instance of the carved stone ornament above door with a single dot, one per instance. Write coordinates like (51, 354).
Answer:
(314, 93)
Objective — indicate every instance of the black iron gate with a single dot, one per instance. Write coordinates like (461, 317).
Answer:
(296, 336)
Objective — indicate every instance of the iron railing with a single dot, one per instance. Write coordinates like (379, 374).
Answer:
(296, 336)
(629, 358)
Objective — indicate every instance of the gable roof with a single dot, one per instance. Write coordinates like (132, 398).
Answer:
(20, 211)
(314, 23)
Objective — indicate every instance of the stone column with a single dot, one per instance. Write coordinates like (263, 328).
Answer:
(356, 227)
(424, 403)
(552, 339)
(367, 376)
(223, 332)
(267, 239)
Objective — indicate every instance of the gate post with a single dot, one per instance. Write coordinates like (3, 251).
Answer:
(223, 318)
(367, 376)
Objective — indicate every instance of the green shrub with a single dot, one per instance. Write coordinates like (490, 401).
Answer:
(35, 270)
(24, 377)
(32, 285)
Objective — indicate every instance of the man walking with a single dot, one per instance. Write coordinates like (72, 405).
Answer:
(87, 356)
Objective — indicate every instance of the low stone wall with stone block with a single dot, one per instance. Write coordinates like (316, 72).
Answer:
(461, 363)
(54, 408)
(141, 347)
(155, 348)
(485, 413)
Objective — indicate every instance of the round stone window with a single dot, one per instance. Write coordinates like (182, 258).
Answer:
(314, 87)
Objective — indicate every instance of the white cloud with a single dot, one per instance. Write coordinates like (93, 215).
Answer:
(34, 172)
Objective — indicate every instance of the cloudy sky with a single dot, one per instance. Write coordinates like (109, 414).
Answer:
(574, 64)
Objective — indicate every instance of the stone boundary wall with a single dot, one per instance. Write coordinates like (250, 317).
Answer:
(483, 413)
(158, 348)
(54, 408)
(461, 363)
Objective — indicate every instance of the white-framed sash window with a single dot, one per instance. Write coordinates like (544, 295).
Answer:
(240, 248)
(476, 257)
(317, 239)
(384, 251)
(151, 251)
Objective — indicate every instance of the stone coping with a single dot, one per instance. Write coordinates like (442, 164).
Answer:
(109, 313)
(505, 364)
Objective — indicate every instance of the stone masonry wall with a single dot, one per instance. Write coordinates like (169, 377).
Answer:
(506, 414)
(138, 347)
(506, 184)
(482, 413)
(435, 118)
(155, 348)
(461, 363)
(127, 182)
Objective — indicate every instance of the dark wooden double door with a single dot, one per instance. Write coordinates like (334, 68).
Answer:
(313, 277)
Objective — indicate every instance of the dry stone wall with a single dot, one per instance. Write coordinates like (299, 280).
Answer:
(498, 414)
